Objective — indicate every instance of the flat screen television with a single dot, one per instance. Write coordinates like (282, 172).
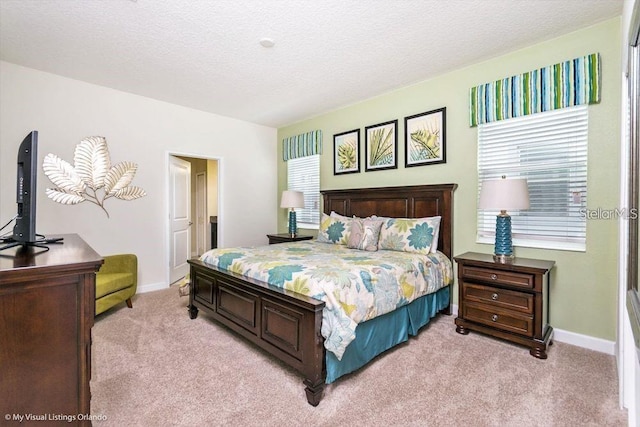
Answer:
(24, 230)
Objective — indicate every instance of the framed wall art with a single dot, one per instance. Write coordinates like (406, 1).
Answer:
(381, 146)
(346, 152)
(425, 138)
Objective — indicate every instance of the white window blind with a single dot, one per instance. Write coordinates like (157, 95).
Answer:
(303, 174)
(549, 150)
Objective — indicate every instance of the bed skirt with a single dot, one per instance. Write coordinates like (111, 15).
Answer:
(382, 333)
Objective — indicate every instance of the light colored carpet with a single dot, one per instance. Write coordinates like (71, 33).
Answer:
(152, 366)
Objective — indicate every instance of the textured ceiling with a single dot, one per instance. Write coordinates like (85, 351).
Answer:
(206, 54)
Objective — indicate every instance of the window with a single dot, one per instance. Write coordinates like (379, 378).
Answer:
(549, 150)
(303, 174)
(633, 171)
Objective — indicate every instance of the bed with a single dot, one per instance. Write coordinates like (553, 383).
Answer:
(289, 324)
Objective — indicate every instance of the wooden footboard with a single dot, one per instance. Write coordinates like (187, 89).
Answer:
(285, 324)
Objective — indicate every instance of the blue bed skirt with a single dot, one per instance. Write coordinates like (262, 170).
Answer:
(381, 333)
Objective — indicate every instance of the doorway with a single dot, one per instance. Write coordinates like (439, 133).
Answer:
(198, 205)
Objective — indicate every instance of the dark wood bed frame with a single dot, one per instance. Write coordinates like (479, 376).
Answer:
(286, 324)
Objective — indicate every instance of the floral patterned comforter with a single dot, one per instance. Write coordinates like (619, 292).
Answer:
(355, 285)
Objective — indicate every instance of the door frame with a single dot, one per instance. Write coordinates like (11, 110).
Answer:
(201, 203)
(167, 207)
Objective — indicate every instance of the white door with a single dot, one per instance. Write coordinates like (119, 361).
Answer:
(179, 217)
(201, 213)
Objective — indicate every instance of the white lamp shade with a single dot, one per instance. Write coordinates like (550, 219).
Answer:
(504, 194)
(292, 199)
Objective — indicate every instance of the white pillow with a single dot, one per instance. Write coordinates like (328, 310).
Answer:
(334, 214)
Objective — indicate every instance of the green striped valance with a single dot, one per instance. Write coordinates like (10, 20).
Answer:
(566, 84)
(306, 144)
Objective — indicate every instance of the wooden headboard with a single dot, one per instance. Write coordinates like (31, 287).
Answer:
(415, 201)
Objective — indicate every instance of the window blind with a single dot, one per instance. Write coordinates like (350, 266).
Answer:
(303, 174)
(549, 150)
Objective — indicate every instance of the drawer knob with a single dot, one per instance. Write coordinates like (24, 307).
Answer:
(494, 317)
(494, 277)
(494, 297)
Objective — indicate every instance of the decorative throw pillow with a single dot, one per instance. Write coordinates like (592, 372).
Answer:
(334, 230)
(409, 234)
(364, 234)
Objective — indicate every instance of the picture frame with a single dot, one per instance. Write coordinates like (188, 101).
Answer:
(346, 152)
(425, 137)
(381, 146)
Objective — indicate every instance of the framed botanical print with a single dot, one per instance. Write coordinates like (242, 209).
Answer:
(346, 152)
(381, 146)
(425, 138)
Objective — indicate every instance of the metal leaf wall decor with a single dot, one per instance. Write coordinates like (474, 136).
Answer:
(91, 178)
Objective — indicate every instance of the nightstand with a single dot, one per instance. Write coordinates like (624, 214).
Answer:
(508, 301)
(286, 237)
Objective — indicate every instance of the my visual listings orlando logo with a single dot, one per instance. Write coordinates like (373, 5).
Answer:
(20, 418)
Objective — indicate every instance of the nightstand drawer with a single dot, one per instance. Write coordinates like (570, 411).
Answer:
(499, 277)
(512, 300)
(506, 320)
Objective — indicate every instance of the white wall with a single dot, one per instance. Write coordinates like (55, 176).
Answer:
(143, 131)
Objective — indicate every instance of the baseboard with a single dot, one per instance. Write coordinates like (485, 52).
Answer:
(585, 341)
(150, 287)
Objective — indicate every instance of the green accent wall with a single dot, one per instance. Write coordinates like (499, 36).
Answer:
(584, 285)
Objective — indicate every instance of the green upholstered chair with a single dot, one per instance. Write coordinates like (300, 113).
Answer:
(116, 281)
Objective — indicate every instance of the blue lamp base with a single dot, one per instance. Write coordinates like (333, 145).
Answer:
(503, 251)
(293, 228)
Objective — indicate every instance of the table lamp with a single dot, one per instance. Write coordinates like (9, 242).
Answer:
(291, 200)
(504, 194)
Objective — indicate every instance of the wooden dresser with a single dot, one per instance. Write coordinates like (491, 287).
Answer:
(47, 305)
(508, 301)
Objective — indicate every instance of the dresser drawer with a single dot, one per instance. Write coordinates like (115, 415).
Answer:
(509, 278)
(512, 300)
(507, 320)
